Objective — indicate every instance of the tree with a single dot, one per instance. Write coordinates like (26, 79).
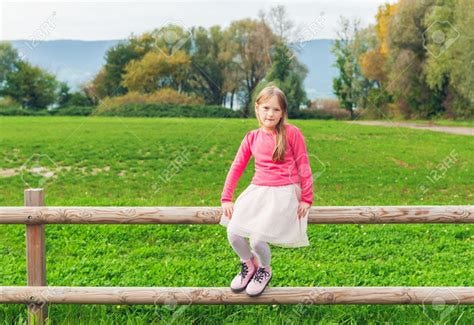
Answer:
(8, 60)
(373, 61)
(77, 98)
(349, 84)
(406, 61)
(156, 70)
(64, 95)
(250, 42)
(167, 39)
(288, 75)
(108, 81)
(281, 25)
(449, 63)
(209, 63)
(30, 86)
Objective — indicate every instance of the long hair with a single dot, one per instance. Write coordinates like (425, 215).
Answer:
(264, 95)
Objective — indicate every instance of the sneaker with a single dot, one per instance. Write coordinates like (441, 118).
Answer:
(259, 281)
(241, 280)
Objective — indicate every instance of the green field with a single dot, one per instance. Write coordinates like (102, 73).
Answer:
(440, 122)
(132, 162)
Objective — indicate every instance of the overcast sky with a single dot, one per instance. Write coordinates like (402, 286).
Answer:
(106, 19)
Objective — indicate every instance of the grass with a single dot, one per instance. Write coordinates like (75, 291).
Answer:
(440, 122)
(184, 162)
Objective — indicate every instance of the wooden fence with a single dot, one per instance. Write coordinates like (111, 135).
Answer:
(37, 295)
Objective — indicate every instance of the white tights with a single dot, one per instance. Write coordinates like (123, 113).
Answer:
(241, 247)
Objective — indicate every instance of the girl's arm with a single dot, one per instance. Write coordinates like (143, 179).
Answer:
(303, 166)
(238, 166)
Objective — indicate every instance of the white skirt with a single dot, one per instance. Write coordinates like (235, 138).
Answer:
(269, 213)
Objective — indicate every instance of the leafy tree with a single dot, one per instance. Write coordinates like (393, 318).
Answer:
(30, 86)
(64, 95)
(450, 62)
(209, 63)
(77, 98)
(250, 42)
(287, 74)
(156, 70)
(8, 60)
(373, 61)
(350, 85)
(108, 81)
(406, 61)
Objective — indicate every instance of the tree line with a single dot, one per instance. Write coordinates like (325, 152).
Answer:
(214, 66)
(416, 61)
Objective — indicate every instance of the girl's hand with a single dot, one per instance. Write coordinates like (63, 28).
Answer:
(303, 208)
(228, 208)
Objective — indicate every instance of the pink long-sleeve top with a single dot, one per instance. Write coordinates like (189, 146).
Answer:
(294, 169)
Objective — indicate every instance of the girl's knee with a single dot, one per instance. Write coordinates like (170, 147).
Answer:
(255, 243)
(234, 237)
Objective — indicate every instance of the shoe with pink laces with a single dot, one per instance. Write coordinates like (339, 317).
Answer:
(249, 267)
(259, 281)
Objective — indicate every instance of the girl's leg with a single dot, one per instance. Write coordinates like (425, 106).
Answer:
(262, 250)
(240, 246)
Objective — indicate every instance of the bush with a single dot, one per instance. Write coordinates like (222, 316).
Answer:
(378, 105)
(325, 104)
(9, 111)
(168, 110)
(322, 114)
(8, 103)
(73, 111)
(326, 108)
(162, 96)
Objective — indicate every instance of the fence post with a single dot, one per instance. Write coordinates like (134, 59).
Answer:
(36, 257)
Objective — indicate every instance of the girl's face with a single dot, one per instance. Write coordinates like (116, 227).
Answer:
(269, 112)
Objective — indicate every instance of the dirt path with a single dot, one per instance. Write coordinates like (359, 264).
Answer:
(446, 129)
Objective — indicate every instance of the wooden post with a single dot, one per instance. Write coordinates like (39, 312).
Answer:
(36, 258)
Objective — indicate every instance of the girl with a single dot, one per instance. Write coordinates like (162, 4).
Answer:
(274, 207)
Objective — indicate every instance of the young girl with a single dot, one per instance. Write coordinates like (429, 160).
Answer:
(274, 207)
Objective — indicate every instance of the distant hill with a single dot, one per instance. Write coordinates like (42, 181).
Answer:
(72, 61)
(76, 62)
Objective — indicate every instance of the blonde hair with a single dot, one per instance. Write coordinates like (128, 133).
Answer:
(264, 95)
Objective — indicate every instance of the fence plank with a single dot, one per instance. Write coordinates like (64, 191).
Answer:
(223, 295)
(212, 215)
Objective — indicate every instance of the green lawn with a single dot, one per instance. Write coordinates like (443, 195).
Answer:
(183, 162)
(441, 122)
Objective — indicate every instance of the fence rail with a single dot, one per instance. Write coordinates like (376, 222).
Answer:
(223, 295)
(37, 295)
(211, 215)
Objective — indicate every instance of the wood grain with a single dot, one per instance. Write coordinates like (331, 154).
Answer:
(35, 256)
(212, 215)
(223, 295)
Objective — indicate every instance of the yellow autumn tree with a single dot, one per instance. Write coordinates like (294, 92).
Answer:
(157, 70)
(373, 62)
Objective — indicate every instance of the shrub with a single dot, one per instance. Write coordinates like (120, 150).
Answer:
(8, 102)
(168, 110)
(162, 96)
(73, 111)
(9, 111)
(325, 103)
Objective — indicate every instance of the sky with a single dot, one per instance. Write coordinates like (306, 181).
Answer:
(106, 19)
